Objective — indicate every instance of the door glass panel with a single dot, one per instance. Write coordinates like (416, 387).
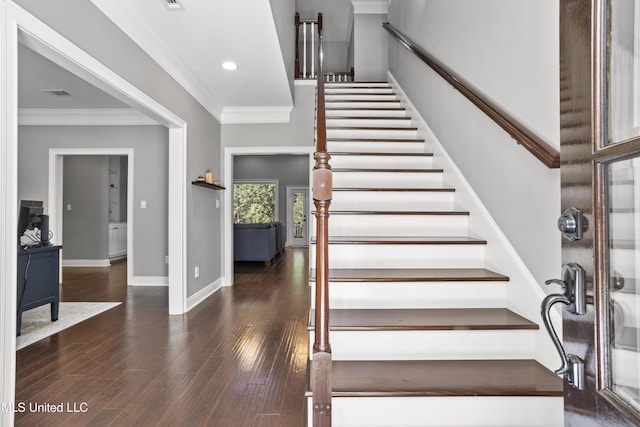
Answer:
(623, 192)
(624, 70)
(298, 215)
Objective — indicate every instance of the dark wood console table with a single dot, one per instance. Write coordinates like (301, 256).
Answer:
(42, 284)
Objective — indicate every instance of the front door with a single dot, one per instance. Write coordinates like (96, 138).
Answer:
(297, 212)
(600, 176)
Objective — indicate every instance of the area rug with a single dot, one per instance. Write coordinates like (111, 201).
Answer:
(37, 324)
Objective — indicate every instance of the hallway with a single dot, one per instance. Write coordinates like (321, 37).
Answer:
(237, 359)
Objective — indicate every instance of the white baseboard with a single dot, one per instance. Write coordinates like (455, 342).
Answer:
(149, 281)
(86, 263)
(203, 294)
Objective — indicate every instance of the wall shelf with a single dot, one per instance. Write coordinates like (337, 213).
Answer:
(207, 185)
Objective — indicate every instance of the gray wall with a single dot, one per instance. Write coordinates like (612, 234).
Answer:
(298, 132)
(150, 144)
(82, 23)
(369, 47)
(509, 50)
(287, 169)
(85, 188)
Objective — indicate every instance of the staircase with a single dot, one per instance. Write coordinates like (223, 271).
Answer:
(420, 332)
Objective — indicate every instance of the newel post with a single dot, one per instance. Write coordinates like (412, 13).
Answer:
(321, 366)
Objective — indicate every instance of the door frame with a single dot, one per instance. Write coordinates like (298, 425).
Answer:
(290, 190)
(19, 26)
(55, 199)
(227, 204)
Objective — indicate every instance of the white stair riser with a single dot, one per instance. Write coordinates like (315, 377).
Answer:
(387, 179)
(430, 345)
(362, 85)
(372, 133)
(363, 104)
(403, 256)
(396, 225)
(629, 303)
(624, 262)
(381, 162)
(375, 147)
(361, 90)
(358, 96)
(415, 294)
(622, 225)
(401, 201)
(381, 122)
(626, 364)
(446, 411)
(376, 112)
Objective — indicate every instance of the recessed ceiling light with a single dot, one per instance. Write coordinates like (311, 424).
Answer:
(173, 5)
(229, 65)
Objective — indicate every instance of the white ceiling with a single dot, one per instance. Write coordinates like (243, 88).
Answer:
(191, 45)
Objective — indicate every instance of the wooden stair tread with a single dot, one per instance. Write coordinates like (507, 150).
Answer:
(365, 109)
(370, 118)
(425, 170)
(403, 240)
(443, 378)
(359, 153)
(375, 140)
(332, 212)
(383, 128)
(343, 101)
(441, 319)
(363, 93)
(403, 189)
(412, 275)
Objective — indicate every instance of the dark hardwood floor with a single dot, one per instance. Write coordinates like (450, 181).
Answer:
(237, 359)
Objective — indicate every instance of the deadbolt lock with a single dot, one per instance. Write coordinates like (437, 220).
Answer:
(570, 224)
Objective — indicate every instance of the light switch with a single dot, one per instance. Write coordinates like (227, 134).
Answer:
(143, 204)
(69, 206)
(217, 203)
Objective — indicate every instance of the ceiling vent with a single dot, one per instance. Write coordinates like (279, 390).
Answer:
(173, 5)
(56, 92)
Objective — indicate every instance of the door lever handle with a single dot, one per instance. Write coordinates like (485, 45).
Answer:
(574, 298)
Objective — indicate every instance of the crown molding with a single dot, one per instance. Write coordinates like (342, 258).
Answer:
(83, 117)
(236, 115)
(370, 7)
(144, 37)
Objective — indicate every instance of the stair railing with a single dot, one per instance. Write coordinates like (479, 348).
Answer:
(524, 136)
(322, 194)
(307, 40)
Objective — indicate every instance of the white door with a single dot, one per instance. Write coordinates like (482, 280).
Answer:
(297, 213)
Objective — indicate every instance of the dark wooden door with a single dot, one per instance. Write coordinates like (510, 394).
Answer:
(600, 156)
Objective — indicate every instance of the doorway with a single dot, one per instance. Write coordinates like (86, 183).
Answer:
(297, 214)
(56, 203)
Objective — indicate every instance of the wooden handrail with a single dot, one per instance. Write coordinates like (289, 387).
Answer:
(542, 150)
(322, 194)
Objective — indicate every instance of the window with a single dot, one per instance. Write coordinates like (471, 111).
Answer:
(255, 201)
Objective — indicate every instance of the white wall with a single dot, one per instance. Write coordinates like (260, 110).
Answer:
(509, 50)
